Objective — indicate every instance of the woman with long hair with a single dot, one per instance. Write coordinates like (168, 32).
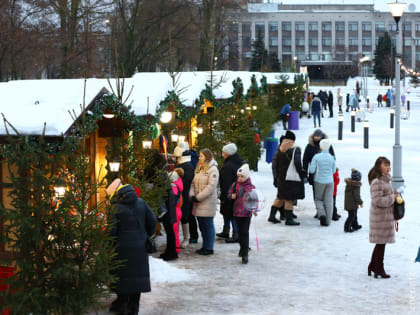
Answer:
(203, 193)
(381, 218)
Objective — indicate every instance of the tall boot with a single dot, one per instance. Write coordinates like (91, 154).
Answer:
(379, 270)
(186, 233)
(282, 215)
(272, 217)
(234, 238)
(335, 215)
(289, 218)
(224, 233)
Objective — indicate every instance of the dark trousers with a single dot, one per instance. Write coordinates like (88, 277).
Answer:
(206, 225)
(243, 228)
(283, 118)
(330, 108)
(129, 303)
(170, 236)
(351, 220)
(192, 220)
(380, 104)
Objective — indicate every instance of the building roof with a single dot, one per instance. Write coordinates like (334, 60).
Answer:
(27, 104)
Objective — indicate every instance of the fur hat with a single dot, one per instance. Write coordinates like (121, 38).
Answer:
(181, 148)
(356, 175)
(244, 171)
(176, 174)
(112, 188)
(230, 149)
(318, 133)
(289, 135)
(324, 145)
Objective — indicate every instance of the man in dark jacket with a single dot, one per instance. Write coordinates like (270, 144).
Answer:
(134, 223)
(330, 103)
(232, 162)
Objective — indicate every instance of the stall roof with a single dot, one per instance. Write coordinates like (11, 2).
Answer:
(27, 104)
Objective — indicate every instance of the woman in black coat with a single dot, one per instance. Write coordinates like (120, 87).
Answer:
(289, 191)
(330, 103)
(134, 223)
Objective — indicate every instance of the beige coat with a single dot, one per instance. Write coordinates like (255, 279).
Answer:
(204, 188)
(381, 219)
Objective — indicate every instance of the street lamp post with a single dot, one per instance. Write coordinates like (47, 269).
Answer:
(397, 11)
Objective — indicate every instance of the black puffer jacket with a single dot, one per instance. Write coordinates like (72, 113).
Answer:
(186, 181)
(227, 177)
(289, 190)
(311, 149)
(135, 221)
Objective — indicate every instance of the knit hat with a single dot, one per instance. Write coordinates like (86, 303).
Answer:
(181, 148)
(289, 135)
(244, 171)
(356, 175)
(318, 133)
(230, 149)
(324, 145)
(113, 187)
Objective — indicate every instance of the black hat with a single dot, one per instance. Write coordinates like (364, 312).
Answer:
(289, 135)
(318, 133)
(356, 175)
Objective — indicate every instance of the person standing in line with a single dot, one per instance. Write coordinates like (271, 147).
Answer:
(352, 200)
(336, 176)
(379, 99)
(323, 168)
(388, 98)
(381, 215)
(284, 115)
(289, 191)
(316, 110)
(134, 223)
(203, 193)
(183, 161)
(245, 198)
(232, 161)
(347, 102)
(330, 103)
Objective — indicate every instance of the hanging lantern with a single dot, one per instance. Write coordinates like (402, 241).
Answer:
(60, 189)
(114, 166)
(174, 137)
(166, 117)
(199, 130)
(181, 138)
(147, 144)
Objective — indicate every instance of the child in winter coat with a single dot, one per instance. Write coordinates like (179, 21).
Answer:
(336, 177)
(352, 200)
(245, 205)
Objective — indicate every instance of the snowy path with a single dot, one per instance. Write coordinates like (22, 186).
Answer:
(307, 269)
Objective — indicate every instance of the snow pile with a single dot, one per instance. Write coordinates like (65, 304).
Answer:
(163, 272)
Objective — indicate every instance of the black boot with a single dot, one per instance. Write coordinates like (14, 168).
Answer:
(289, 218)
(282, 216)
(273, 212)
(323, 220)
(234, 238)
(244, 259)
(294, 215)
(224, 233)
(356, 226)
(335, 216)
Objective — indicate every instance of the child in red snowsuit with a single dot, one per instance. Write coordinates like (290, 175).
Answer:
(336, 177)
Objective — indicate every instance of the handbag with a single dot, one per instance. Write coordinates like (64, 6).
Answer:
(292, 174)
(399, 210)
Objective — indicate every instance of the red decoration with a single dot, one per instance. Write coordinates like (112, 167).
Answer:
(257, 138)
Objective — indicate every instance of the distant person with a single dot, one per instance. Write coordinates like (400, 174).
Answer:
(284, 115)
(402, 99)
(336, 177)
(347, 102)
(358, 87)
(379, 99)
(352, 200)
(388, 98)
(354, 101)
(339, 101)
(316, 110)
(330, 103)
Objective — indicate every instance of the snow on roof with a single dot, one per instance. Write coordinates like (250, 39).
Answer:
(27, 104)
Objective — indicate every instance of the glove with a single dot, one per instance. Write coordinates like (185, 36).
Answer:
(194, 199)
(275, 183)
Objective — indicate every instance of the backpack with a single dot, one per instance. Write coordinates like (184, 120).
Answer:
(384, 98)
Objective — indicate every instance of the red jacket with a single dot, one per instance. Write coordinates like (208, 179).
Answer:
(336, 181)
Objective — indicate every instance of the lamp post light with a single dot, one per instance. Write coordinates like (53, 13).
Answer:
(366, 134)
(397, 11)
(340, 126)
(353, 121)
(391, 118)
(364, 69)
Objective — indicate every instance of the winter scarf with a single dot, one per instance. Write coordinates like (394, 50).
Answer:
(246, 200)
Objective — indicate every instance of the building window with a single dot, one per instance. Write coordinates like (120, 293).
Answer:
(274, 41)
(313, 41)
(407, 27)
(300, 41)
(366, 41)
(248, 54)
(417, 42)
(339, 41)
(286, 26)
(260, 28)
(417, 27)
(300, 26)
(273, 27)
(326, 41)
(339, 26)
(287, 41)
(246, 41)
(300, 56)
(380, 26)
(326, 26)
(313, 26)
(246, 28)
(392, 27)
(353, 41)
(417, 56)
(409, 41)
(366, 26)
(353, 26)
(314, 57)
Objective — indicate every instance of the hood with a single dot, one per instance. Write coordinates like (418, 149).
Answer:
(311, 139)
(352, 182)
(183, 159)
(247, 185)
(286, 144)
(126, 194)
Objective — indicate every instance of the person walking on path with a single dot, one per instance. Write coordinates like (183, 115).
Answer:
(347, 102)
(289, 191)
(316, 110)
(381, 216)
(339, 101)
(203, 193)
(352, 200)
(134, 223)
(354, 101)
(284, 115)
(232, 161)
(335, 215)
(245, 198)
(323, 166)
(183, 160)
(388, 98)
(330, 103)
(379, 99)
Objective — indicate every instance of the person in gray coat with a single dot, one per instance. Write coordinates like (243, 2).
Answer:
(134, 223)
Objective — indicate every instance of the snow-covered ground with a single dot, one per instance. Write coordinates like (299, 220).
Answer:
(307, 269)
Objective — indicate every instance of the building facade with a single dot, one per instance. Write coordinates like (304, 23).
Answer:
(320, 32)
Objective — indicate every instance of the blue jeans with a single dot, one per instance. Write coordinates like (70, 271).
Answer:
(317, 114)
(226, 224)
(207, 231)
